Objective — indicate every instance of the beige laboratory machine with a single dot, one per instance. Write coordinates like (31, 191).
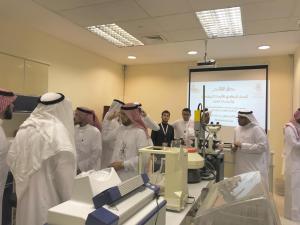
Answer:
(173, 173)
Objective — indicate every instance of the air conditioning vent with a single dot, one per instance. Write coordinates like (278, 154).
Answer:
(153, 39)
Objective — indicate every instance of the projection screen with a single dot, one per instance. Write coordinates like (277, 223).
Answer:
(228, 90)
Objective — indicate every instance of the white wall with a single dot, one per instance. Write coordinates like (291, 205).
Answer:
(296, 86)
(84, 77)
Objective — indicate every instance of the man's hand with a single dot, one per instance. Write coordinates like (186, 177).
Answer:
(117, 165)
(113, 115)
(236, 146)
(143, 113)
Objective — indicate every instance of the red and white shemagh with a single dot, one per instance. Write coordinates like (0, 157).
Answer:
(294, 123)
(88, 116)
(6, 98)
(133, 113)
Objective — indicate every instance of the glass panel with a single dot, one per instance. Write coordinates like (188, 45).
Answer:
(240, 200)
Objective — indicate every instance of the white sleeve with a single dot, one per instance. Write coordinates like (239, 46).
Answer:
(191, 130)
(290, 138)
(141, 142)
(96, 146)
(150, 123)
(260, 145)
(109, 130)
(64, 174)
(4, 145)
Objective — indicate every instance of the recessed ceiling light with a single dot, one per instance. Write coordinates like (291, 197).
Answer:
(192, 53)
(131, 57)
(115, 34)
(264, 47)
(221, 22)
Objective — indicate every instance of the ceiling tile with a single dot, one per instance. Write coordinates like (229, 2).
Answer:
(217, 4)
(143, 26)
(184, 35)
(104, 13)
(178, 22)
(26, 12)
(268, 10)
(164, 7)
(58, 5)
(270, 26)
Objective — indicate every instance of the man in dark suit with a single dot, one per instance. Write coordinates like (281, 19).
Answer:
(165, 135)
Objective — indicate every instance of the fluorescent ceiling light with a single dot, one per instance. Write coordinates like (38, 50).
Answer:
(264, 47)
(131, 57)
(115, 34)
(221, 22)
(192, 53)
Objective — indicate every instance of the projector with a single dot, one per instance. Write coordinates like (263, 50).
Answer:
(210, 62)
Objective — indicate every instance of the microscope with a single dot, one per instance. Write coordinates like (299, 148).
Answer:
(213, 141)
(207, 143)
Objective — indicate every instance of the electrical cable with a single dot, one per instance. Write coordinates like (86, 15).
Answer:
(211, 169)
(199, 106)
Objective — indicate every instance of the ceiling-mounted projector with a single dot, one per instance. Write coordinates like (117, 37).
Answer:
(210, 62)
(207, 62)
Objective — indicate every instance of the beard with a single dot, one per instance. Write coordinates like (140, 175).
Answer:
(8, 114)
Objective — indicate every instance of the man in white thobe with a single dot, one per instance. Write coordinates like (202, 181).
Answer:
(110, 126)
(251, 147)
(292, 168)
(42, 159)
(88, 140)
(184, 128)
(6, 100)
(149, 123)
(130, 137)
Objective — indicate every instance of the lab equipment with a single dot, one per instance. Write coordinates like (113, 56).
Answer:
(213, 141)
(173, 175)
(240, 200)
(213, 155)
(217, 163)
(207, 143)
(99, 198)
(195, 163)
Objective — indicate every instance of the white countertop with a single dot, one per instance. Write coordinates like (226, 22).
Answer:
(174, 218)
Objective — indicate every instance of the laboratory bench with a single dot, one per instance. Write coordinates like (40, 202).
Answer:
(180, 218)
